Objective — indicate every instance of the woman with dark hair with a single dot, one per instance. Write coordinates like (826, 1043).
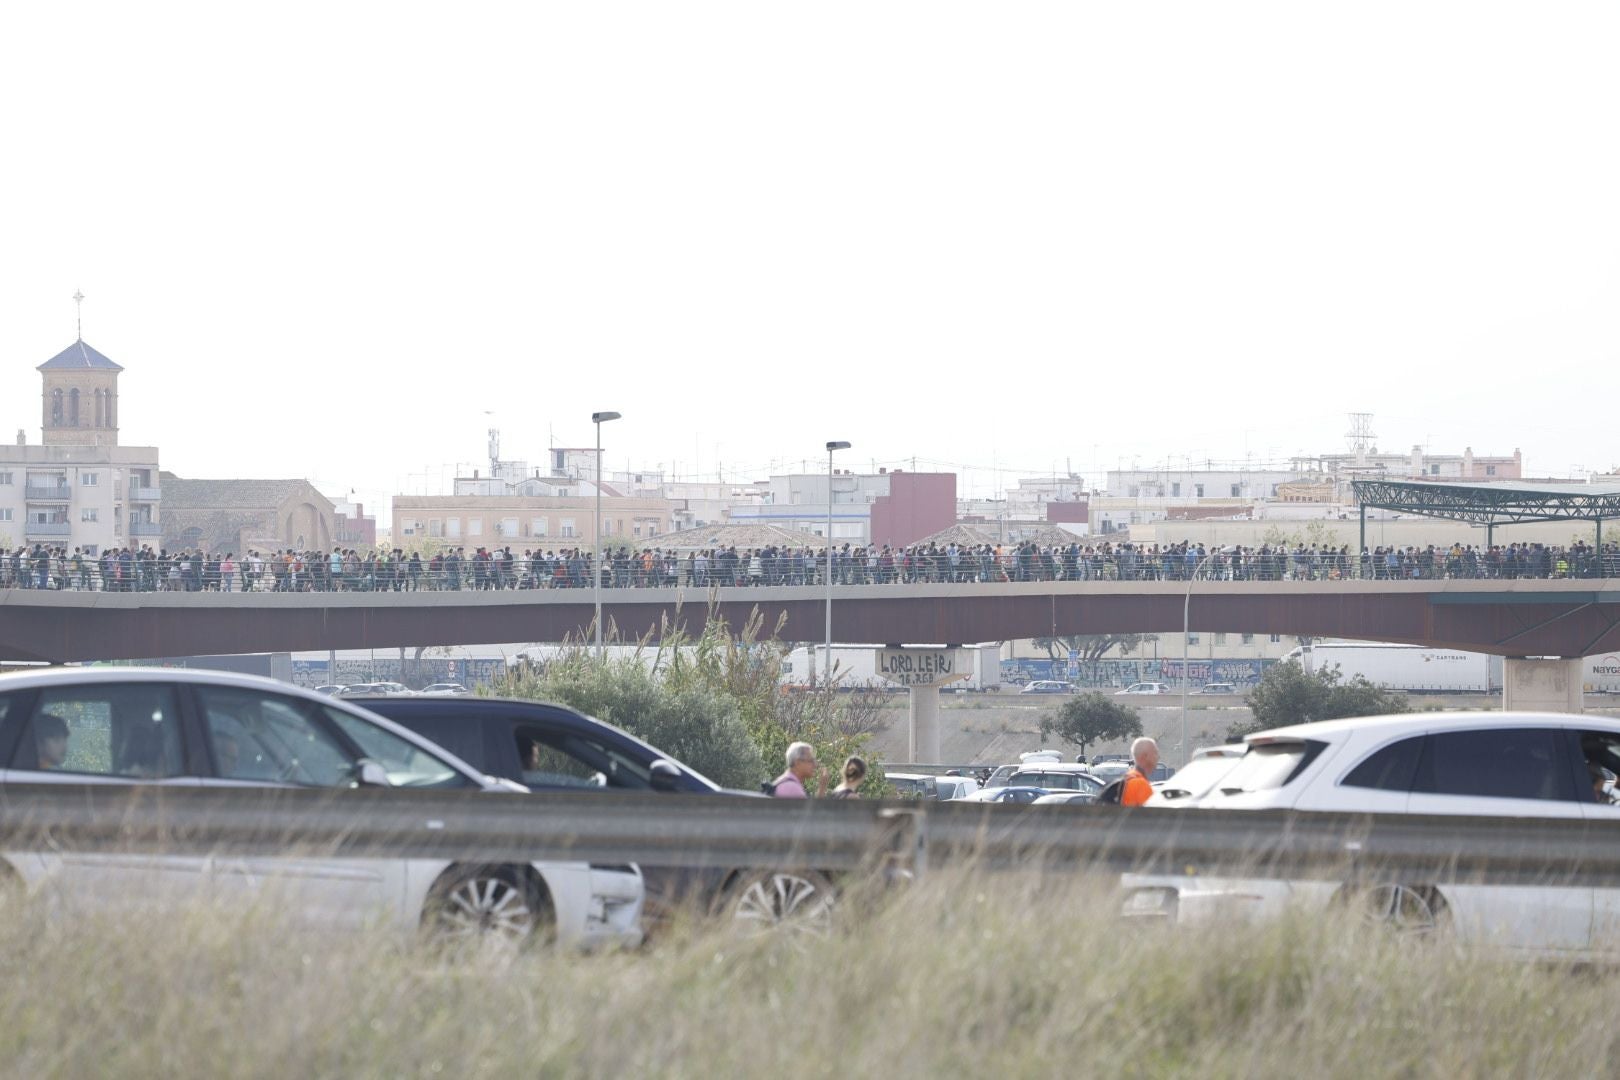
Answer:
(854, 777)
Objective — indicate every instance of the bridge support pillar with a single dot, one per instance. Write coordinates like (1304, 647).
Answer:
(924, 737)
(1542, 685)
(922, 672)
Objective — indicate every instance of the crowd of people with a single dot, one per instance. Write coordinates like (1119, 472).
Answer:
(347, 569)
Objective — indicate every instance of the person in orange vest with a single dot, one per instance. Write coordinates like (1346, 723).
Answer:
(1138, 781)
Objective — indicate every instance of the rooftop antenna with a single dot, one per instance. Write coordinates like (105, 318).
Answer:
(78, 301)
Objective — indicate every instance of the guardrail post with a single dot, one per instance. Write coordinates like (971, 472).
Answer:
(907, 847)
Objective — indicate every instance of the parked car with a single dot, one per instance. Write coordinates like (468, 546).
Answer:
(1007, 794)
(375, 689)
(549, 747)
(954, 787)
(1479, 764)
(1143, 688)
(1066, 798)
(1057, 776)
(913, 785)
(1218, 688)
(1048, 686)
(453, 689)
(189, 727)
(999, 776)
(1203, 771)
(329, 689)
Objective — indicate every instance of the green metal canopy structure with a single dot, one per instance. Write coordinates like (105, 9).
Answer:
(1490, 505)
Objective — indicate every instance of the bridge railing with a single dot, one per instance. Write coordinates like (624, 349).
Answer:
(530, 569)
(698, 831)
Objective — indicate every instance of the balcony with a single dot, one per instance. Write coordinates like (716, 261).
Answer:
(48, 492)
(145, 528)
(47, 530)
(138, 493)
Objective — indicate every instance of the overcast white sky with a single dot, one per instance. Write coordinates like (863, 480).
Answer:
(324, 239)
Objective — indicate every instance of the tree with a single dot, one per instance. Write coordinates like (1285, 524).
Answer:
(693, 724)
(1092, 718)
(1287, 694)
(1090, 647)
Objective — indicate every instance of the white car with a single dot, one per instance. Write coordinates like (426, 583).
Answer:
(212, 729)
(1060, 798)
(1493, 764)
(1199, 776)
(444, 689)
(1143, 688)
(955, 787)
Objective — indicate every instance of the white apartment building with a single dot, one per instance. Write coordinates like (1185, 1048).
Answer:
(78, 488)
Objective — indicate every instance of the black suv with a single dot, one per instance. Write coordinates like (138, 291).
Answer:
(553, 748)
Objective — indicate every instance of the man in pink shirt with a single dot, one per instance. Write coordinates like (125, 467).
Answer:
(801, 766)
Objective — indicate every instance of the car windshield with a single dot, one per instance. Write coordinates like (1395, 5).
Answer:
(1268, 766)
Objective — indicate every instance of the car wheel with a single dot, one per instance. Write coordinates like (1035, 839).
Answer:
(1415, 911)
(475, 904)
(801, 901)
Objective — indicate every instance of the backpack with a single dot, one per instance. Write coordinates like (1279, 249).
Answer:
(1113, 793)
(768, 787)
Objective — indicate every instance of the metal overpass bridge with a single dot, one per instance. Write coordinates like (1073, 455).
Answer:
(1518, 618)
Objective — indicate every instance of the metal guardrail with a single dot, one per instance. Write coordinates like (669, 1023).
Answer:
(695, 831)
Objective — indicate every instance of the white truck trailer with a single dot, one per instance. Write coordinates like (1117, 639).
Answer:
(1412, 668)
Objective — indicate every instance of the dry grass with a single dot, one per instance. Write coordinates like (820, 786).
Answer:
(961, 976)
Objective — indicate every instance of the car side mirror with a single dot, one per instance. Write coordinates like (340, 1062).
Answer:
(664, 776)
(368, 773)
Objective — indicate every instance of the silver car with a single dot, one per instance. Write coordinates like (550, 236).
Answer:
(202, 728)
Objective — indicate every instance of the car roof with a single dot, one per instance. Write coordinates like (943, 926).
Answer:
(499, 706)
(914, 776)
(1415, 723)
(1053, 766)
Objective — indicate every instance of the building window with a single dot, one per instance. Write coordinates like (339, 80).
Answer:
(567, 527)
(1490, 470)
(475, 526)
(89, 479)
(1237, 491)
(91, 551)
(435, 528)
(509, 527)
(1198, 490)
(1175, 490)
(1220, 639)
(56, 407)
(539, 526)
(5, 479)
(73, 407)
(1434, 470)
(452, 528)
(1192, 637)
(1248, 639)
(1276, 639)
(87, 514)
(5, 513)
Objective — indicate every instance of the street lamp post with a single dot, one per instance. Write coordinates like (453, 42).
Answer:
(827, 660)
(1186, 632)
(598, 418)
